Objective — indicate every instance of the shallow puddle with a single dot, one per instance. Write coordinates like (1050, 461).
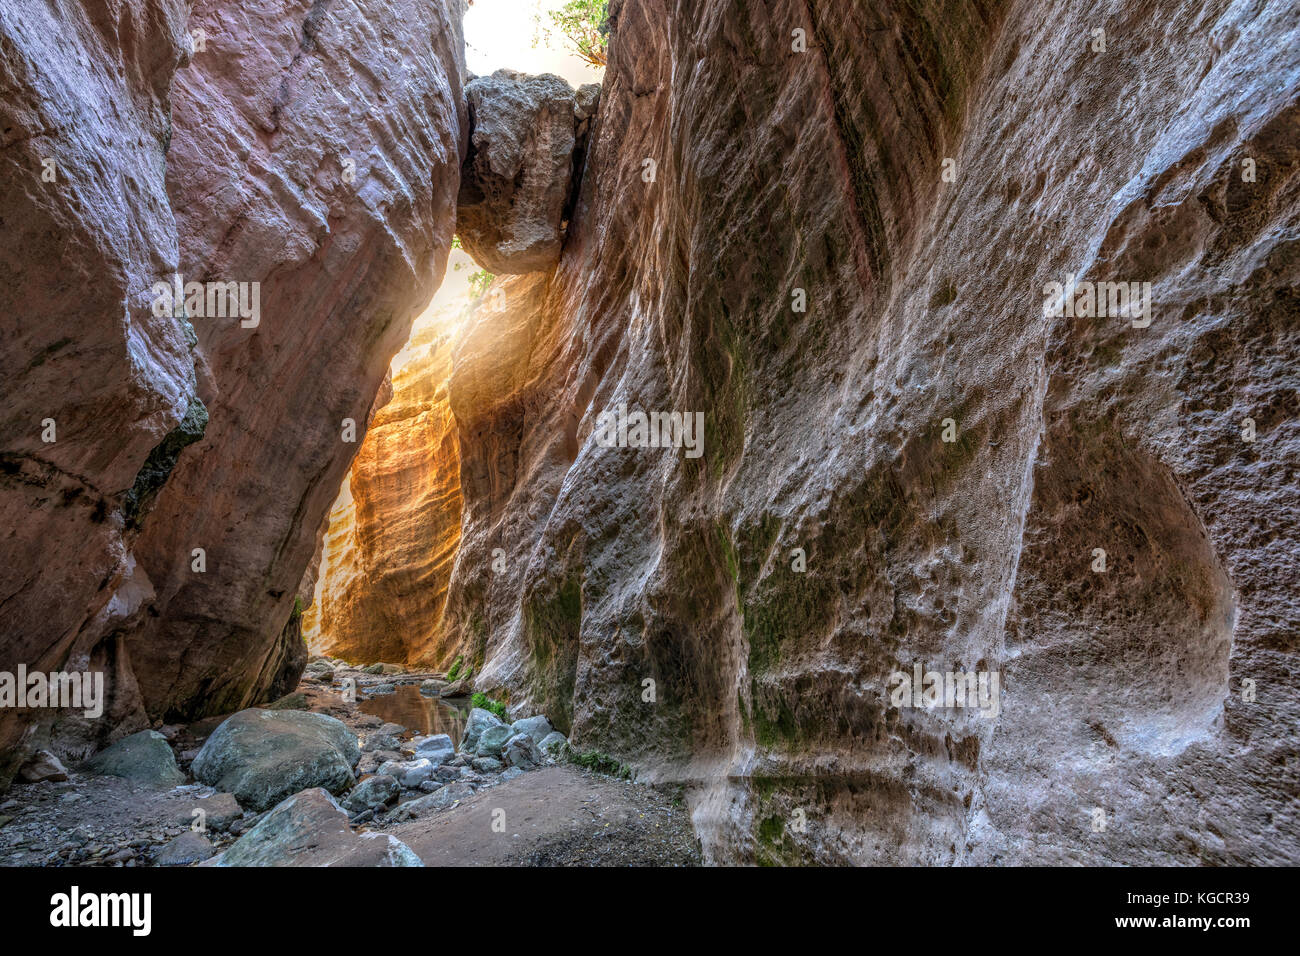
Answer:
(423, 715)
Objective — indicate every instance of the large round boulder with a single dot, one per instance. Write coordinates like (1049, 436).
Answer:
(263, 756)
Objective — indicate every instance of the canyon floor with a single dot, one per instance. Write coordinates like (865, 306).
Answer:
(558, 815)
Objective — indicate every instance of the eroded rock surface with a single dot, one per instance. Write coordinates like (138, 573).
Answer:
(393, 531)
(319, 179)
(511, 211)
(843, 263)
(91, 380)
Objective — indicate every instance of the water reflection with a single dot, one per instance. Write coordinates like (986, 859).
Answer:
(423, 715)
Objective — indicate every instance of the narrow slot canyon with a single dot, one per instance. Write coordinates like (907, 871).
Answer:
(703, 432)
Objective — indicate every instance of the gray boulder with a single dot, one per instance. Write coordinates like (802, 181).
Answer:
(437, 749)
(311, 829)
(144, 758)
(371, 793)
(487, 765)
(479, 721)
(189, 847)
(381, 741)
(408, 773)
(493, 740)
(553, 744)
(515, 181)
(535, 727)
(440, 799)
(521, 751)
(263, 756)
(220, 811)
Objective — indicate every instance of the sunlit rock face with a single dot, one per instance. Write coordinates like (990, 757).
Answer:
(393, 531)
(316, 151)
(515, 184)
(908, 459)
(91, 379)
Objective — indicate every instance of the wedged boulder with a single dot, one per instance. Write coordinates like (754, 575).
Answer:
(515, 181)
(262, 756)
(493, 740)
(144, 758)
(311, 829)
(479, 721)
(535, 727)
(371, 793)
(487, 764)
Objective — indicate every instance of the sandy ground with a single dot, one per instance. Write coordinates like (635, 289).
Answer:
(557, 816)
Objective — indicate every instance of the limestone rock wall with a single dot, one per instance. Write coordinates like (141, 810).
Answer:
(326, 168)
(309, 150)
(921, 465)
(90, 379)
(394, 529)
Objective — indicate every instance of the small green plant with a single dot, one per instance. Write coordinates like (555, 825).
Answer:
(297, 609)
(487, 703)
(455, 669)
(479, 282)
(601, 763)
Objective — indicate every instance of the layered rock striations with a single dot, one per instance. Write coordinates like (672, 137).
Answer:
(394, 529)
(305, 160)
(326, 170)
(842, 255)
(92, 380)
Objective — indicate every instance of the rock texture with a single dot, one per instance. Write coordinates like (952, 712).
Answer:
(326, 169)
(514, 188)
(91, 379)
(144, 758)
(311, 829)
(322, 175)
(394, 529)
(920, 465)
(263, 756)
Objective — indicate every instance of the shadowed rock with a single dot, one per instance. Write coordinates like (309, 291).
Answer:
(515, 180)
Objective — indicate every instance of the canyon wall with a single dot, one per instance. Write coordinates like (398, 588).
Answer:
(326, 168)
(394, 529)
(307, 151)
(92, 379)
(831, 228)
